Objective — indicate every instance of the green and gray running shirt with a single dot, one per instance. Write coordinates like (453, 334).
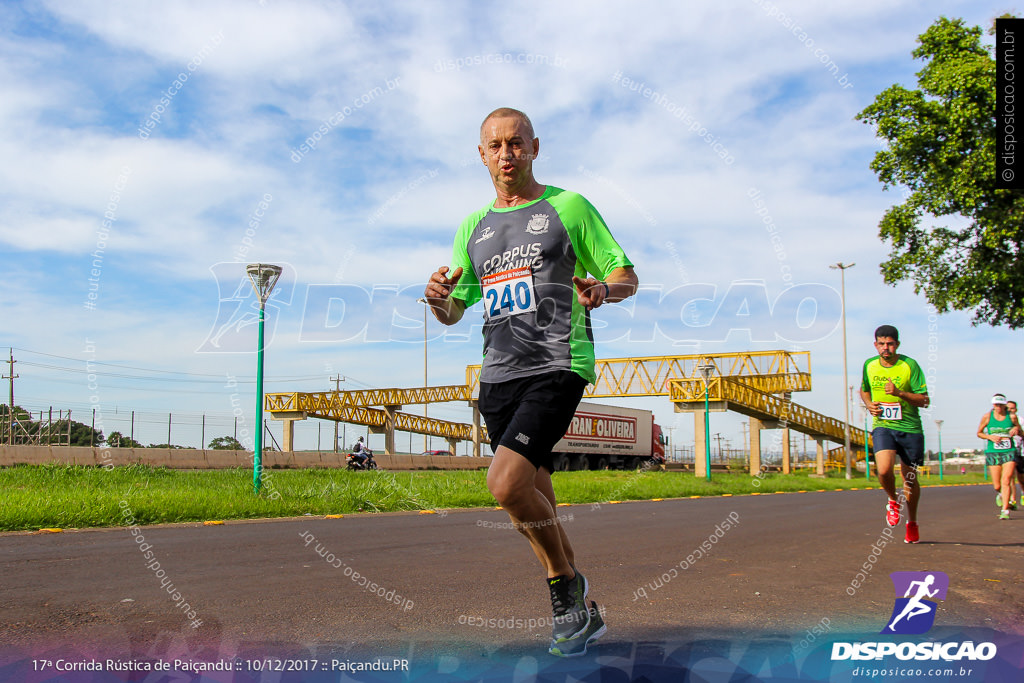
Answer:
(520, 261)
(906, 375)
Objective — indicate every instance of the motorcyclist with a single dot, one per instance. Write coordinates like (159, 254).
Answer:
(360, 452)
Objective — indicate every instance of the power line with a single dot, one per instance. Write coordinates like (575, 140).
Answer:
(123, 367)
(220, 378)
(213, 378)
(122, 381)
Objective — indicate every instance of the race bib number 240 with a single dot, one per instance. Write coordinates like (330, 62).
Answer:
(508, 293)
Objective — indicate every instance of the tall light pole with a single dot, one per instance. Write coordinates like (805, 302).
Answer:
(426, 306)
(846, 399)
(264, 276)
(938, 423)
(706, 371)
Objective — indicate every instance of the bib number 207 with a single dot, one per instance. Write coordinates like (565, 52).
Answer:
(891, 411)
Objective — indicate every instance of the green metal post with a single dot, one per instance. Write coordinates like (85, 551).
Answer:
(867, 452)
(263, 276)
(940, 454)
(707, 435)
(257, 456)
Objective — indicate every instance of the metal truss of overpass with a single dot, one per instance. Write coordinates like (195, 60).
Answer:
(747, 382)
(354, 407)
(330, 404)
(768, 371)
(732, 394)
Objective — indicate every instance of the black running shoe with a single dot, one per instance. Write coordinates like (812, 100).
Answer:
(574, 647)
(568, 606)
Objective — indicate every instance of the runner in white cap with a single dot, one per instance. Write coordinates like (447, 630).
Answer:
(997, 428)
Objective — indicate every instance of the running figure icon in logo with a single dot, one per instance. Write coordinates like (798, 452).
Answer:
(914, 610)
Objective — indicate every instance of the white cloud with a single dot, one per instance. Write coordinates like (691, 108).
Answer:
(354, 211)
(256, 38)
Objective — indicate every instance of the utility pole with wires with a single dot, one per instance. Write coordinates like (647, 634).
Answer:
(337, 388)
(10, 376)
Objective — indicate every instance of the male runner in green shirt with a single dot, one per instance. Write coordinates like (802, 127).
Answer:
(527, 256)
(893, 389)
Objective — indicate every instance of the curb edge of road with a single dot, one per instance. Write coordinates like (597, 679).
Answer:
(262, 520)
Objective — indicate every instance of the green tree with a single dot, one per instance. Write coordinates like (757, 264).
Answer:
(119, 440)
(81, 434)
(19, 413)
(21, 417)
(226, 443)
(57, 433)
(941, 149)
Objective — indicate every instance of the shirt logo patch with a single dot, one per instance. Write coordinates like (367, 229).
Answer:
(538, 225)
(486, 235)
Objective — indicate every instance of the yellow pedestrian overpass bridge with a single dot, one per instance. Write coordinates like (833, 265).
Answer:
(757, 384)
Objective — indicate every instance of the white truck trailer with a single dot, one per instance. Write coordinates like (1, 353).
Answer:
(609, 437)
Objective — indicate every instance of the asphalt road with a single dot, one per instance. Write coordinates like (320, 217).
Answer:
(452, 587)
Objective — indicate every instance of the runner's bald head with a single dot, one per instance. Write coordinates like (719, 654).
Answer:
(505, 113)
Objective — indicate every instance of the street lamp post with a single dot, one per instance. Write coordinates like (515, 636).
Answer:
(867, 458)
(426, 306)
(264, 276)
(938, 423)
(867, 451)
(706, 371)
(846, 399)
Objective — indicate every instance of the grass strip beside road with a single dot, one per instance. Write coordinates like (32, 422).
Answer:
(33, 497)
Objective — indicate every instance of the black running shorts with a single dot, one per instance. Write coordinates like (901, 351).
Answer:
(530, 414)
(910, 447)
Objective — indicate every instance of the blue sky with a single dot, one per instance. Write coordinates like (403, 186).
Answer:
(339, 139)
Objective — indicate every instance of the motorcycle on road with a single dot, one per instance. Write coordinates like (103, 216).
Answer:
(352, 461)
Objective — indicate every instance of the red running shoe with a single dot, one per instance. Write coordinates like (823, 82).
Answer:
(913, 536)
(892, 513)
